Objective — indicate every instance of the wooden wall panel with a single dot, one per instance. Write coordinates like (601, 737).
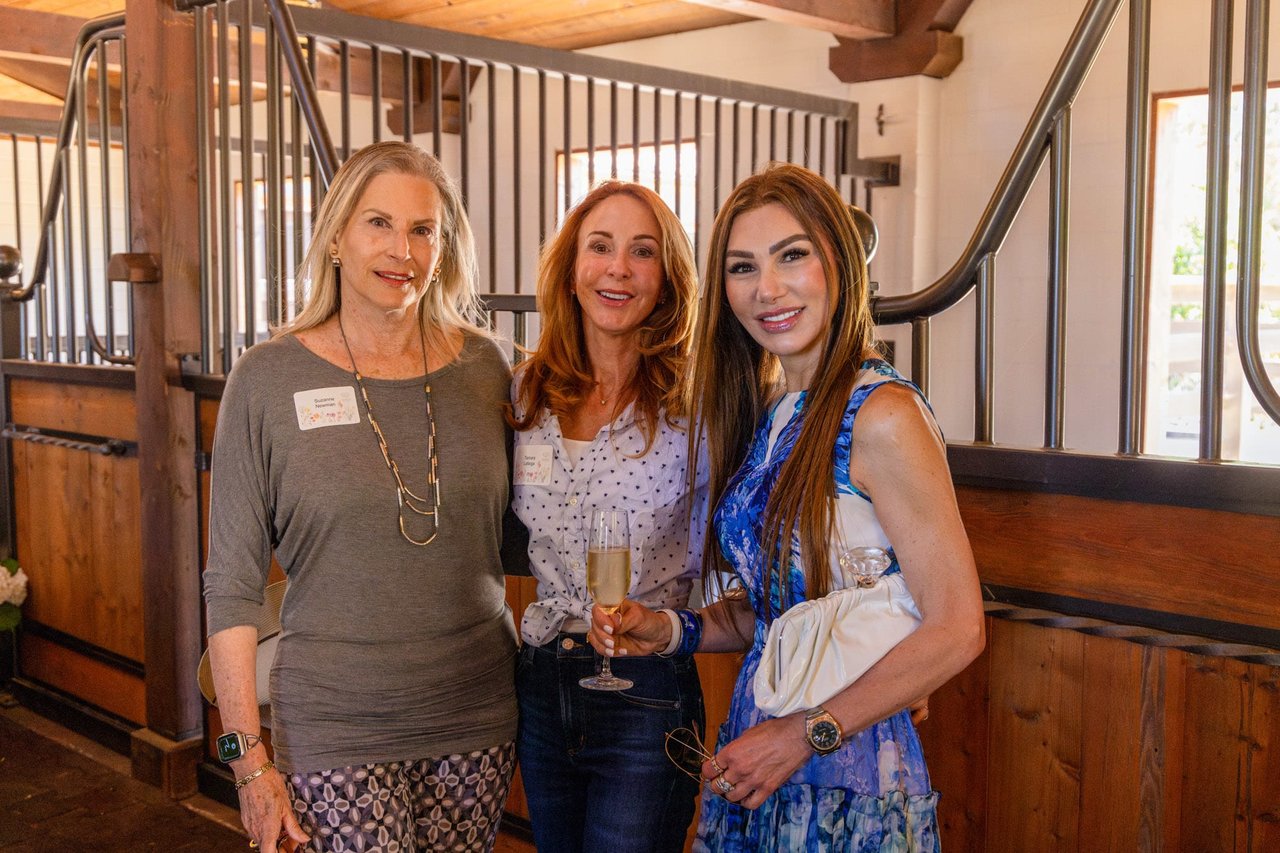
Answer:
(1111, 745)
(1140, 555)
(85, 409)
(111, 689)
(1216, 752)
(1033, 782)
(78, 540)
(1263, 808)
(955, 744)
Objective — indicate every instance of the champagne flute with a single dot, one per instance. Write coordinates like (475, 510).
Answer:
(608, 580)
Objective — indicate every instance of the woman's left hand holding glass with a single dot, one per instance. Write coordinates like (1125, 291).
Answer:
(632, 630)
(759, 761)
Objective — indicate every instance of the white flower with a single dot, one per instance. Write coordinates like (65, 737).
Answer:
(17, 587)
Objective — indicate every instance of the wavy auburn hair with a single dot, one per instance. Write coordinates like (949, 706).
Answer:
(451, 304)
(557, 375)
(734, 378)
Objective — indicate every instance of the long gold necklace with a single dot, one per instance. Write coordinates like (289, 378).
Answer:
(405, 498)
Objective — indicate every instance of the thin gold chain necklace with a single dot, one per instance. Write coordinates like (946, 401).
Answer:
(405, 498)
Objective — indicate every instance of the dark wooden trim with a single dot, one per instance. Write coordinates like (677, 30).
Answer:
(115, 733)
(1227, 486)
(207, 385)
(1171, 623)
(933, 53)
(84, 647)
(70, 374)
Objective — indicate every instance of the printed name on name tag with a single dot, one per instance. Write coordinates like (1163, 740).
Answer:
(533, 465)
(322, 407)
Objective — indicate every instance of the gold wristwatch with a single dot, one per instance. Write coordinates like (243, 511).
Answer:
(822, 731)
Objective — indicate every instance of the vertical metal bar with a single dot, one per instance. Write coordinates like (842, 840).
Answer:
(375, 81)
(273, 229)
(344, 66)
(82, 164)
(697, 174)
(657, 141)
(679, 146)
(920, 353)
(69, 278)
(296, 173)
(124, 179)
(519, 335)
(755, 138)
(1056, 332)
(613, 129)
(984, 338)
(822, 146)
(773, 133)
(635, 133)
(248, 288)
(437, 106)
(1254, 127)
(517, 126)
(791, 135)
(41, 299)
(591, 132)
(492, 213)
(226, 233)
(808, 151)
(24, 349)
(715, 170)
(406, 70)
(1132, 322)
(542, 156)
(104, 185)
(1215, 228)
(737, 109)
(207, 332)
(566, 113)
(464, 128)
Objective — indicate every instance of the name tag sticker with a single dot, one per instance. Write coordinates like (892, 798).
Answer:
(533, 465)
(322, 407)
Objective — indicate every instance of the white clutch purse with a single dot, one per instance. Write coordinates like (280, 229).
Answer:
(817, 648)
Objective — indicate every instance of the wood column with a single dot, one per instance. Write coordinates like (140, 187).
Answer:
(160, 46)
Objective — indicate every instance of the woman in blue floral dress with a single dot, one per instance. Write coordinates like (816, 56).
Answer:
(809, 432)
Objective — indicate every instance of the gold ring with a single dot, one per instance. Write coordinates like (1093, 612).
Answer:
(723, 785)
(253, 845)
(716, 765)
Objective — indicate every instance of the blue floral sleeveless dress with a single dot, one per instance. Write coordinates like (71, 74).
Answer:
(873, 794)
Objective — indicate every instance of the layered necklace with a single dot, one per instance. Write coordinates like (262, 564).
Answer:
(406, 500)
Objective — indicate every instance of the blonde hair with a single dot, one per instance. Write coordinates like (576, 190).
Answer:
(734, 377)
(450, 303)
(557, 376)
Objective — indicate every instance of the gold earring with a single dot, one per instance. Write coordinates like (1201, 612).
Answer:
(435, 277)
(333, 256)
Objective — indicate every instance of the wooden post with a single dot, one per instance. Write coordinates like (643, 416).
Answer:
(160, 51)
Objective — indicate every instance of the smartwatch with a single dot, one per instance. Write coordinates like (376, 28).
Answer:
(235, 745)
(822, 731)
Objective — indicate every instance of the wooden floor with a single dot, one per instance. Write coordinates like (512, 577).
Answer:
(60, 791)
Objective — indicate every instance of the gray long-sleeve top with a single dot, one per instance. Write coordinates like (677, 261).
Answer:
(389, 651)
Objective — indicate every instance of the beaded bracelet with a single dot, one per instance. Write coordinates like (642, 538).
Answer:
(690, 632)
(240, 783)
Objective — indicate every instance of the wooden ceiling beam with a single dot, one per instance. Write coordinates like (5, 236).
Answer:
(851, 19)
(28, 32)
(27, 111)
(924, 44)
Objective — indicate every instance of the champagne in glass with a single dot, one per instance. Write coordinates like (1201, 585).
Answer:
(608, 580)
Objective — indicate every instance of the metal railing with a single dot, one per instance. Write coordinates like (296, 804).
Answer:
(525, 130)
(78, 229)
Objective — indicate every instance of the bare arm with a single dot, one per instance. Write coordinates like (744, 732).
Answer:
(899, 458)
(265, 808)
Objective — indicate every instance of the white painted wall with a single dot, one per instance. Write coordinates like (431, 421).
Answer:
(954, 137)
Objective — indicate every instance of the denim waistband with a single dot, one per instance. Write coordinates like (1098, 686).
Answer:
(567, 645)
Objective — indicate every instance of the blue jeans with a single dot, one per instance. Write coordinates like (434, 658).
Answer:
(594, 767)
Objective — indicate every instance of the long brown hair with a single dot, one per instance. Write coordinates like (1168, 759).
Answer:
(557, 376)
(449, 305)
(734, 377)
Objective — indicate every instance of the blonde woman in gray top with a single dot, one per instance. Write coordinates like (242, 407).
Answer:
(335, 442)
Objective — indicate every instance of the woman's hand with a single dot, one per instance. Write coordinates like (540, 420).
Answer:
(267, 813)
(630, 631)
(759, 761)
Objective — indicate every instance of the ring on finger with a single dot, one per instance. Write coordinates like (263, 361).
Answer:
(716, 765)
(253, 845)
(722, 785)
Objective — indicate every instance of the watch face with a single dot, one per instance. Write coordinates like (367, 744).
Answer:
(229, 747)
(824, 735)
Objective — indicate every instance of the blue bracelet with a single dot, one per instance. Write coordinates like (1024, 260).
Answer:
(690, 632)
